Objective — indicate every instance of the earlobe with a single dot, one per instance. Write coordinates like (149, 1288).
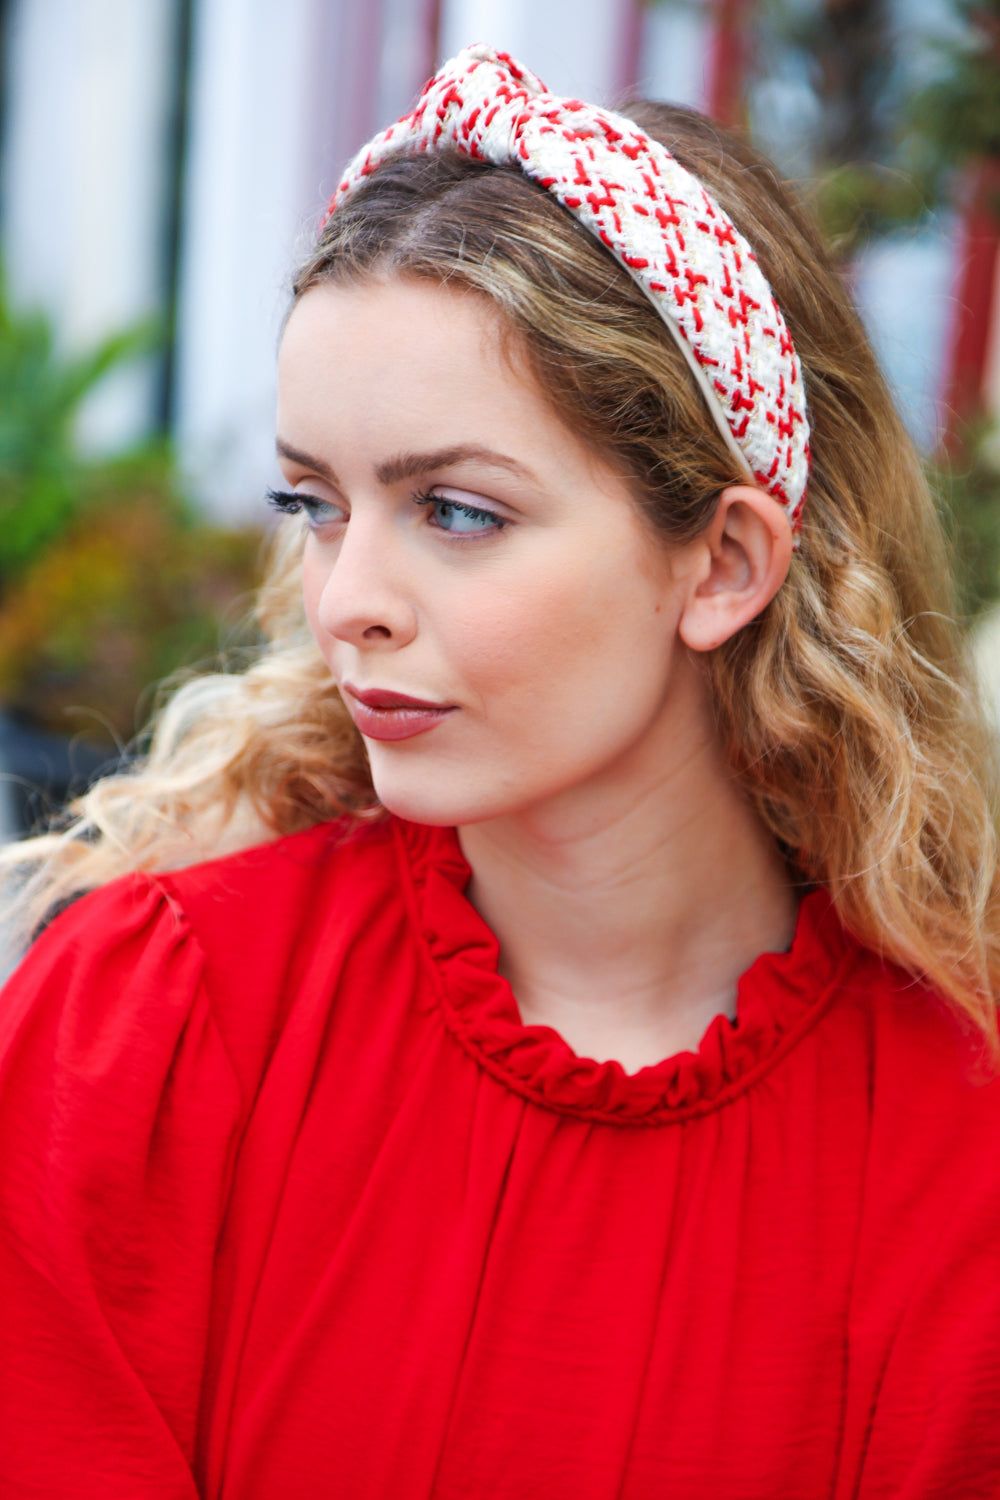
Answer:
(743, 560)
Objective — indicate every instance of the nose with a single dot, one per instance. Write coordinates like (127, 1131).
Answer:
(365, 599)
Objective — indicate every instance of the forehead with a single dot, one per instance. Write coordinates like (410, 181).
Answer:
(393, 307)
(411, 353)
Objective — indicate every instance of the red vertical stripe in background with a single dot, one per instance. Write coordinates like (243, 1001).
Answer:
(630, 30)
(978, 276)
(363, 72)
(342, 88)
(727, 61)
(430, 56)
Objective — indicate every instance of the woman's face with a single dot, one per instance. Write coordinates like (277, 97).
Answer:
(468, 551)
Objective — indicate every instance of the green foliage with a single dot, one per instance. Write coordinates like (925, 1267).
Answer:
(952, 124)
(969, 497)
(860, 201)
(131, 591)
(43, 479)
(957, 116)
(938, 129)
(901, 122)
(108, 580)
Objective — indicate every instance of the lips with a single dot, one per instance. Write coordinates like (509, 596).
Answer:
(381, 714)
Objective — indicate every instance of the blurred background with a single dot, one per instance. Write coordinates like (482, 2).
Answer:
(164, 162)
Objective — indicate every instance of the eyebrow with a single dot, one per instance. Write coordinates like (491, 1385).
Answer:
(406, 465)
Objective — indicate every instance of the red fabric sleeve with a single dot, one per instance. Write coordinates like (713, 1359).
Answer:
(119, 1112)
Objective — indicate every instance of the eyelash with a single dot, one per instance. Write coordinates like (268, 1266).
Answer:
(473, 512)
(290, 504)
(287, 503)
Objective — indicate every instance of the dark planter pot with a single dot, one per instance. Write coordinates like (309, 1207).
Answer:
(39, 771)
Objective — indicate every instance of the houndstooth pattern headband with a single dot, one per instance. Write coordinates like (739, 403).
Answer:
(656, 220)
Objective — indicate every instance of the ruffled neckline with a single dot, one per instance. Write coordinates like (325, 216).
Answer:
(779, 998)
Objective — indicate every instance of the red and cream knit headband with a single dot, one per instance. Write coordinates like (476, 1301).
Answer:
(657, 221)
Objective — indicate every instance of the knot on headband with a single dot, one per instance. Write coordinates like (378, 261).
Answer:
(657, 221)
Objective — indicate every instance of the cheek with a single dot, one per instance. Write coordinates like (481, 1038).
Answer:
(507, 637)
(549, 637)
(313, 581)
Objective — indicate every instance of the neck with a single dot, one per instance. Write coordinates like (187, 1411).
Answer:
(626, 912)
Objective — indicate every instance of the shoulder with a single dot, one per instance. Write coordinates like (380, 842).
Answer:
(229, 941)
(252, 903)
(917, 1090)
(106, 1030)
(924, 1058)
(894, 1075)
(236, 905)
(926, 1068)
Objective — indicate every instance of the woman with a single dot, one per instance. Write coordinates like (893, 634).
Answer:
(623, 686)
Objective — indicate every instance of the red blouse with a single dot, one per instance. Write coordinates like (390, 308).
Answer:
(292, 1205)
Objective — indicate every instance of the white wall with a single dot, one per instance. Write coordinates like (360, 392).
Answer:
(573, 45)
(282, 93)
(675, 53)
(245, 202)
(83, 181)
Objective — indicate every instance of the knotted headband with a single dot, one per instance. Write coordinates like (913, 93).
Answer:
(658, 222)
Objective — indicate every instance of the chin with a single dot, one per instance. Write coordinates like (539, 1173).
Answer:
(437, 801)
(433, 812)
(417, 800)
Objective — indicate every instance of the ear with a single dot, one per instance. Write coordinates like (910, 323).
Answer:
(739, 564)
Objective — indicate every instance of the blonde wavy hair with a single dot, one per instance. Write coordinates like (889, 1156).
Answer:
(848, 710)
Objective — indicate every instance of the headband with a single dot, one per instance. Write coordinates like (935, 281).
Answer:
(657, 221)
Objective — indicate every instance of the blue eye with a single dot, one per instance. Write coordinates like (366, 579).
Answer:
(291, 502)
(320, 512)
(459, 519)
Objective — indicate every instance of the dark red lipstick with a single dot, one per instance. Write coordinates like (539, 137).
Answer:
(381, 714)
